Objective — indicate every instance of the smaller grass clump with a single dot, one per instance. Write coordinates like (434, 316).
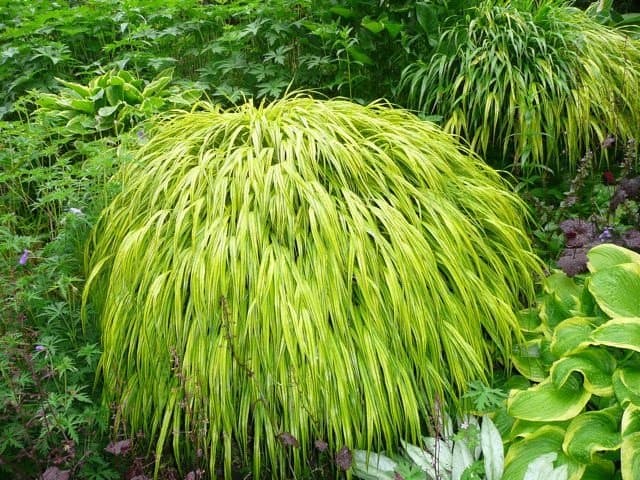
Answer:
(533, 84)
(269, 276)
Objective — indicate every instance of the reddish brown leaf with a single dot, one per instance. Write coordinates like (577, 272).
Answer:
(288, 440)
(344, 458)
(54, 473)
(118, 448)
(321, 445)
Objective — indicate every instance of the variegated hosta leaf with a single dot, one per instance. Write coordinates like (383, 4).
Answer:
(623, 333)
(572, 334)
(626, 385)
(547, 403)
(617, 290)
(547, 439)
(542, 469)
(593, 432)
(630, 449)
(595, 366)
(609, 255)
(529, 359)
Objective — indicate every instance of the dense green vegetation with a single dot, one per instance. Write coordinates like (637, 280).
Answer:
(229, 248)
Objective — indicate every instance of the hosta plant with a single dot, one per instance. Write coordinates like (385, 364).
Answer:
(583, 355)
(532, 84)
(475, 452)
(304, 270)
(112, 103)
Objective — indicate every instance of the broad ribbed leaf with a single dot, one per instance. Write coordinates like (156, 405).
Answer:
(528, 359)
(548, 439)
(617, 290)
(621, 333)
(546, 403)
(594, 432)
(630, 448)
(542, 468)
(595, 365)
(571, 335)
(609, 255)
(626, 385)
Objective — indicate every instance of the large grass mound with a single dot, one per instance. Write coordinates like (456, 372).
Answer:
(308, 269)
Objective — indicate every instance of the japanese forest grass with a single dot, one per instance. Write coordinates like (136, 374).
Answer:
(313, 268)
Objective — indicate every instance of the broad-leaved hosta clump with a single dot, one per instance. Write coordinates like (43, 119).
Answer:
(310, 269)
(537, 83)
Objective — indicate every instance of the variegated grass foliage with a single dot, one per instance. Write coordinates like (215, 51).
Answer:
(536, 83)
(304, 270)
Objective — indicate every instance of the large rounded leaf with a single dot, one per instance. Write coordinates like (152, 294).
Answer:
(570, 334)
(617, 290)
(626, 386)
(528, 359)
(630, 449)
(593, 432)
(595, 365)
(548, 439)
(609, 255)
(621, 333)
(546, 403)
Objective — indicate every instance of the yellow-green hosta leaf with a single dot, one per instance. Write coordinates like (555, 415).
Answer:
(554, 309)
(593, 432)
(596, 366)
(528, 360)
(630, 448)
(548, 439)
(619, 332)
(525, 428)
(546, 403)
(598, 469)
(617, 290)
(529, 320)
(609, 255)
(571, 334)
(630, 456)
(566, 289)
(626, 386)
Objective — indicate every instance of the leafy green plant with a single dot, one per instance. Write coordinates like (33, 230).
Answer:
(583, 352)
(448, 456)
(529, 84)
(111, 103)
(270, 270)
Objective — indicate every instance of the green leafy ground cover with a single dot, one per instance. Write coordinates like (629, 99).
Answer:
(89, 92)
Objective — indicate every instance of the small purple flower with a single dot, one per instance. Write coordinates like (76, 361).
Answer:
(606, 234)
(24, 258)
(40, 348)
